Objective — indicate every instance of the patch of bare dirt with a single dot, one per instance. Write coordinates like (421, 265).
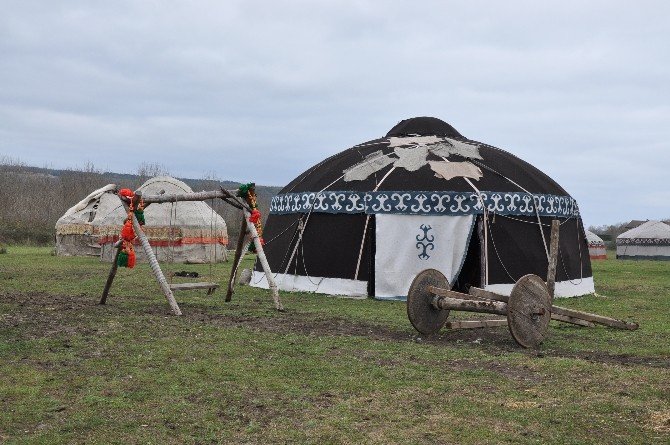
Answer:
(48, 315)
(659, 421)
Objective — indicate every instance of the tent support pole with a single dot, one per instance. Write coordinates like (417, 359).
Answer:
(238, 258)
(112, 273)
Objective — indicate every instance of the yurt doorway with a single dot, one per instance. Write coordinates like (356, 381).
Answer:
(407, 244)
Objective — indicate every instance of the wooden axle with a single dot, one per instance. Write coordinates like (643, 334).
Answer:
(528, 308)
(463, 304)
(429, 301)
(558, 313)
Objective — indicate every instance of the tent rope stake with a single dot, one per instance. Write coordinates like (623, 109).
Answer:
(528, 309)
(227, 197)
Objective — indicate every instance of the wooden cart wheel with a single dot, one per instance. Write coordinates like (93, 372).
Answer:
(422, 314)
(529, 311)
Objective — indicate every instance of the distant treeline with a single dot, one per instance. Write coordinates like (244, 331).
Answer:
(32, 198)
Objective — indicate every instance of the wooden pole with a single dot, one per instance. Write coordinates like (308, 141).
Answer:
(459, 304)
(486, 295)
(112, 273)
(264, 261)
(454, 294)
(155, 267)
(553, 257)
(176, 197)
(153, 261)
(571, 320)
(474, 324)
(594, 318)
(238, 258)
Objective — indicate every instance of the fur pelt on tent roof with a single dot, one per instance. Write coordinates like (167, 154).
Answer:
(365, 221)
(180, 232)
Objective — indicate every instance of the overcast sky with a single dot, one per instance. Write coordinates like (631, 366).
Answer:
(261, 90)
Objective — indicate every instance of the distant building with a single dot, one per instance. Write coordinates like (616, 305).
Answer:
(648, 241)
(597, 249)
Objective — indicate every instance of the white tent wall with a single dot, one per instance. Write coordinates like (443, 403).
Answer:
(643, 252)
(597, 252)
(183, 232)
(650, 240)
(196, 253)
(408, 244)
(597, 248)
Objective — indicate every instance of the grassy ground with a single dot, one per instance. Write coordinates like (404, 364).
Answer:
(326, 371)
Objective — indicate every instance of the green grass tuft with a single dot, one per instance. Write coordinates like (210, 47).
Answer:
(327, 370)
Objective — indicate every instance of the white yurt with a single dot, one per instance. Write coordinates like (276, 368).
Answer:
(648, 241)
(597, 248)
(183, 232)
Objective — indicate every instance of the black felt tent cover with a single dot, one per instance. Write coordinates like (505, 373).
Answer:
(331, 242)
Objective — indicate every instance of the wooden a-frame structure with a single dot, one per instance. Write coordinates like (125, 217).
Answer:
(248, 228)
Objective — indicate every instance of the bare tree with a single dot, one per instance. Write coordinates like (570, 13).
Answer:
(148, 170)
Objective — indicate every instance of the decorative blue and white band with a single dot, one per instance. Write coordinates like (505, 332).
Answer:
(425, 203)
(643, 242)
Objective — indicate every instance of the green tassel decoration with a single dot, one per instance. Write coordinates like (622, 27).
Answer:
(252, 247)
(243, 190)
(122, 260)
(139, 214)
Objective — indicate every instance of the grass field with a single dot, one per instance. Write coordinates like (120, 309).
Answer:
(327, 370)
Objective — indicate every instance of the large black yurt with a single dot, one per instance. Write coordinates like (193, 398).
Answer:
(365, 221)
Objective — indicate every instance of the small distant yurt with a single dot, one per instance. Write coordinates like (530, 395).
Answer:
(183, 232)
(365, 221)
(597, 248)
(648, 241)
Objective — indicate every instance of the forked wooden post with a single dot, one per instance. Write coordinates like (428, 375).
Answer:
(264, 261)
(112, 273)
(238, 258)
(153, 262)
(553, 257)
(155, 267)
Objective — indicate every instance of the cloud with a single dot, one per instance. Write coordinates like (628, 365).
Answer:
(262, 90)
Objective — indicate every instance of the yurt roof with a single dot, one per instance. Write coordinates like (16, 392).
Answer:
(501, 170)
(635, 223)
(427, 154)
(592, 238)
(649, 230)
(164, 184)
(97, 206)
(103, 208)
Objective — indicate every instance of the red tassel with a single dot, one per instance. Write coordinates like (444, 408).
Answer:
(131, 258)
(255, 216)
(262, 241)
(126, 193)
(127, 233)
